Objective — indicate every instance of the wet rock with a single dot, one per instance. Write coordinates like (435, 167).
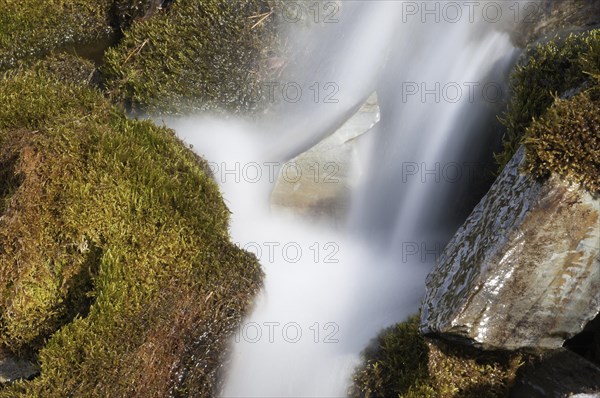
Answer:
(549, 17)
(557, 374)
(318, 181)
(12, 368)
(524, 269)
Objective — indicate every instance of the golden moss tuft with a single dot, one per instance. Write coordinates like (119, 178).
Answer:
(402, 363)
(116, 268)
(395, 363)
(566, 141)
(466, 372)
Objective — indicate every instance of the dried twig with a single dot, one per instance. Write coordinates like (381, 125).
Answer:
(264, 16)
(136, 51)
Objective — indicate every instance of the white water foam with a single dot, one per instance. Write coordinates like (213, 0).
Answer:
(328, 291)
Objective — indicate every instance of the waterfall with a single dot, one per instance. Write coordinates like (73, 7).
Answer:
(329, 290)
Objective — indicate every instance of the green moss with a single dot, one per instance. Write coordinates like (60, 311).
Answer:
(29, 28)
(195, 56)
(64, 67)
(395, 362)
(116, 268)
(551, 69)
(128, 11)
(554, 110)
(466, 372)
(566, 141)
(402, 363)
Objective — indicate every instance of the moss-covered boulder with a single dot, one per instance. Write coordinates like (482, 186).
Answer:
(555, 69)
(30, 28)
(402, 363)
(196, 56)
(117, 273)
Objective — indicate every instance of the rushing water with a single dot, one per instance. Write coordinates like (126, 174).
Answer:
(328, 290)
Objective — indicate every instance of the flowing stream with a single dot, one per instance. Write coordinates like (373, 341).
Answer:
(330, 288)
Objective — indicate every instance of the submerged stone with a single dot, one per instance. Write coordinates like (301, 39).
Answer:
(524, 269)
(318, 182)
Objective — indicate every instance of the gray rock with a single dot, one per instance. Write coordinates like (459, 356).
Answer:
(12, 369)
(533, 20)
(318, 181)
(557, 374)
(524, 269)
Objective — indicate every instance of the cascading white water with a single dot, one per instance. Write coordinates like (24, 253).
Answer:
(328, 291)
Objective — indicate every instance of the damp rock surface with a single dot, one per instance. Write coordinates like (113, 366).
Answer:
(13, 368)
(523, 271)
(536, 20)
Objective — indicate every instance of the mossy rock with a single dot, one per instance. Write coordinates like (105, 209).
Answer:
(30, 28)
(117, 273)
(394, 363)
(194, 56)
(557, 68)
(402, 363)
(554, 110)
